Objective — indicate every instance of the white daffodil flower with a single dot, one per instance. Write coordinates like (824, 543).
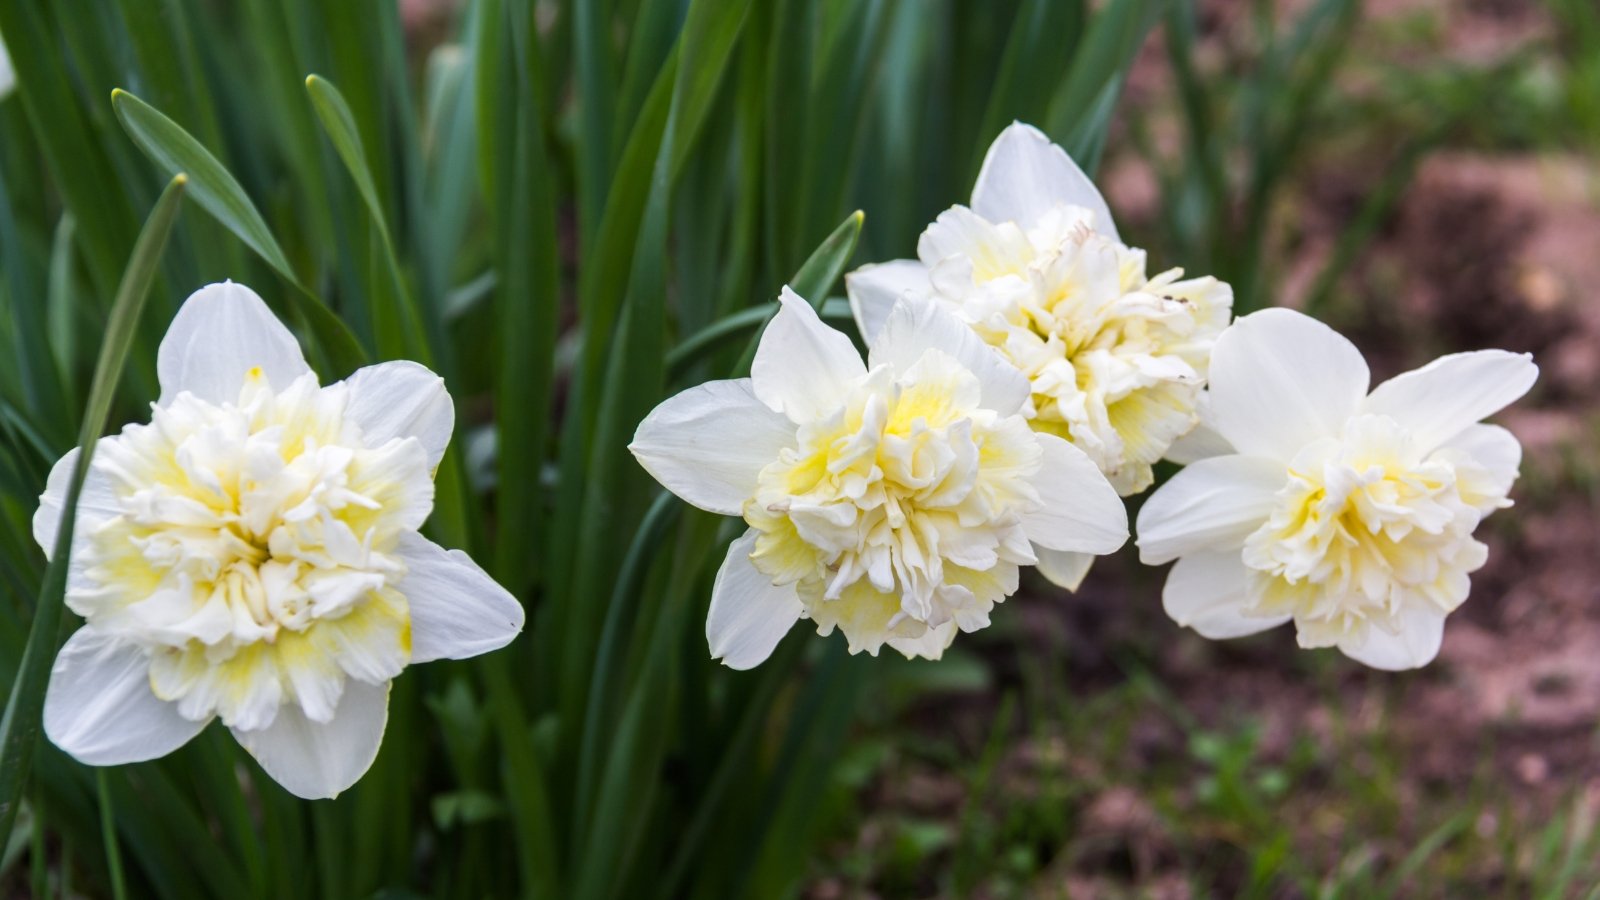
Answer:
(1115, 360)
(252, 555)
(1314, 501)
(894, 500)
(8, 75)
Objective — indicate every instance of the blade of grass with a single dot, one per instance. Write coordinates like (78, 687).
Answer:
(398, 322)
(19, 728)
(39, 869)
(595, 80)
(217, 192)
(214, 187)
(77, 160)
(108, 836)
(834, 122)
(965, 868)
(41, 387)
(597, 719)
(63, 330)
(815, 278)
(816, 275)
(527, 298)
(623, 364)
(1103, 56)
(1043, 39)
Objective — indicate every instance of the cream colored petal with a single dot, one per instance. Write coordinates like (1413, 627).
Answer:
(931, 645)
(1280, 380)
(1211, 505)
(1421, 634)
(1202, 441)
(99, 708)
(317, 761)
(402, 399)
(1206, 592)
(96, 502)
(1080, 511)
(1452, 393)
(1024, 175)
(1495, 449)
(222, 332)
(1063, 568)
(875, 289)
(749, 614)
(709, 444)
(802, 367)
(918, 325)
(457, 610)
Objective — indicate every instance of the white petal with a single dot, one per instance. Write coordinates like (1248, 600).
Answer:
(1452, 393)
(875, 289)
(1202, 441)
(1280, 380)
(802, 367)
(96, 501)
(1494, 448)
(402, 399)
(314, 760)
(709, 443)
(8, 75)
(749, 614)
(1421, 634)
(931, 645)
(1081, 511)
(99, 708)
(1206, 592)
(220, 334)
(1063, 568)
(1024, 176)
(1212, 504)
(457, 610)
(918, 325)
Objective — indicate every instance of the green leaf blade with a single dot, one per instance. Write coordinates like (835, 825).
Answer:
(19, 727)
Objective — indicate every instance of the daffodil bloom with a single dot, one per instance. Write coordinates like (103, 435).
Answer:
(1114, 359)
(1311, 500)
(8, 76)
(252, 555)
(894, 501)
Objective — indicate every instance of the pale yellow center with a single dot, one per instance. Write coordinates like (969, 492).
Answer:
(254, 551)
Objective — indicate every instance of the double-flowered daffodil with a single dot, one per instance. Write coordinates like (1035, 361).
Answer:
(1312, 500)
(1115, 360)
(894, 500)
(252, 555)
(8, 77)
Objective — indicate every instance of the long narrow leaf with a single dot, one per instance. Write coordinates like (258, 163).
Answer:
(396, 319)
(218, 193)
(19, 728)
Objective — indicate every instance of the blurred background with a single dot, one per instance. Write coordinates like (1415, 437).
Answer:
(1422, 174)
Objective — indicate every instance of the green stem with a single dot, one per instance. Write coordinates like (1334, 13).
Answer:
(108, 836)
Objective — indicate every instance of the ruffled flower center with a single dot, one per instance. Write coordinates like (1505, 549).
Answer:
(1116, 360)
(1366, 528)
(900, 511)
(252, 551)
